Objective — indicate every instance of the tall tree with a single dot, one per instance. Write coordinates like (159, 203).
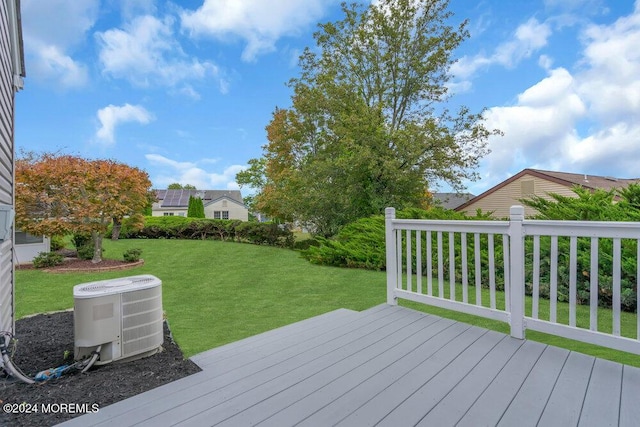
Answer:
(195, 208)
(59, 194)
(368, 126)
(178, 186)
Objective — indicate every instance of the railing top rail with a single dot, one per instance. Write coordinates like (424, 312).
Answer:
(465, 226)
(628, 230)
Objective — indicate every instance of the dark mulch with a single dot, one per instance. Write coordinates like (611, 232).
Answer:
(42, 343)
(71, 264)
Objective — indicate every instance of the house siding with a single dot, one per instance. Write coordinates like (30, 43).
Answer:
(8, 10)
(236, 211)
(501, 200)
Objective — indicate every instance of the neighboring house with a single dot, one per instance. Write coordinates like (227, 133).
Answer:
(28, 246)
(11, 75)
(451, 200)
(536, 182)
(218, 204)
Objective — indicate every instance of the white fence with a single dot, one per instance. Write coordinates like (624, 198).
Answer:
(485, 268)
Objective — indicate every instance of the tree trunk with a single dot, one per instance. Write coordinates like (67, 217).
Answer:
(97, 247)
(117, 225)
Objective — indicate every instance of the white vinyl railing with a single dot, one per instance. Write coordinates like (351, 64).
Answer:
(486, 268)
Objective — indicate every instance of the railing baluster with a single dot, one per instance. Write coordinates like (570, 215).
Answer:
(616, 287)
(440, 267)
(429, 265)
(465, 273)
(399, 258)
(476, 250)
(507, 272)
(492, 273)
(409, 260)
(593, 286)
(553, 291)
(452, 267)
(536, 277)
(638, 289)
(419, 261)
(573, 255)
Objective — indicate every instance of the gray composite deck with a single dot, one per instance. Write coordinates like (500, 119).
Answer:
(388, 366)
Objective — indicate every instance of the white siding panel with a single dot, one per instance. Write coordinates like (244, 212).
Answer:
(6, 167)
(502, 199)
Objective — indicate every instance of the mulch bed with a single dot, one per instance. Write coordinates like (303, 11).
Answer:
(79, 265)
(42, 343)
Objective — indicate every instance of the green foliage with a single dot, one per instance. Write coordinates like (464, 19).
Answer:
(361, 244)
(47, 259)
(196, 208)
(57, 243)
(362, 132)
(85, 252)
(178, 186)
(176, 227)
(80, 240)
(132, 254)
(597, 205)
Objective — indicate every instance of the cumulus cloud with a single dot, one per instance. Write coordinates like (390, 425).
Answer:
(587, 121)
(145, 52)
(527, 39)
(168, 171)
(112, 116)
(49, 46)
(258, 23)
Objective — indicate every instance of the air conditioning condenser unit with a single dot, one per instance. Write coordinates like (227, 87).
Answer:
(123, 316)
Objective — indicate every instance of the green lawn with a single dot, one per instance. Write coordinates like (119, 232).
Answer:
(218, 292)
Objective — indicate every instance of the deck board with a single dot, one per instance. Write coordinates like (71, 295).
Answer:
(391, 366)
(602, 401)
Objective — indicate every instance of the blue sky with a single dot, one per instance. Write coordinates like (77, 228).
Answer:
(185, 89)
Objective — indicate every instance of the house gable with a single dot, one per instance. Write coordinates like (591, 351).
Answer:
(528, 182)
(176, 202)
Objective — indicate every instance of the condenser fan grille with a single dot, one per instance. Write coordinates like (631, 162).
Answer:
(124, 284)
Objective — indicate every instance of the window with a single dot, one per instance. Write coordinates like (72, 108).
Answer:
(220, 214)
(24, 238)
(168, 214)
(224, 203)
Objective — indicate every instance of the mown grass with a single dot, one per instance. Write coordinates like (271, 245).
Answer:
(218, 292)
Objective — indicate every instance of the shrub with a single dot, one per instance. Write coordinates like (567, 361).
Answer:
(57, 243)
(85, 252)
(361, 243)
(132, 255)
(79, 240)
(47, 259)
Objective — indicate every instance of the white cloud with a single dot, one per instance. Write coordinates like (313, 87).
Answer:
(585, 122)
(527, 39)
(111, 116)
(145, 52)
(170, 171)
(259, 23)
(49, 46)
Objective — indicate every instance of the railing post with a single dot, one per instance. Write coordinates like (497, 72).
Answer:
(390, 243)
(516, 269)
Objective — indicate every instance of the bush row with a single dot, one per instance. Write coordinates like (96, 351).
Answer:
(177, 227)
